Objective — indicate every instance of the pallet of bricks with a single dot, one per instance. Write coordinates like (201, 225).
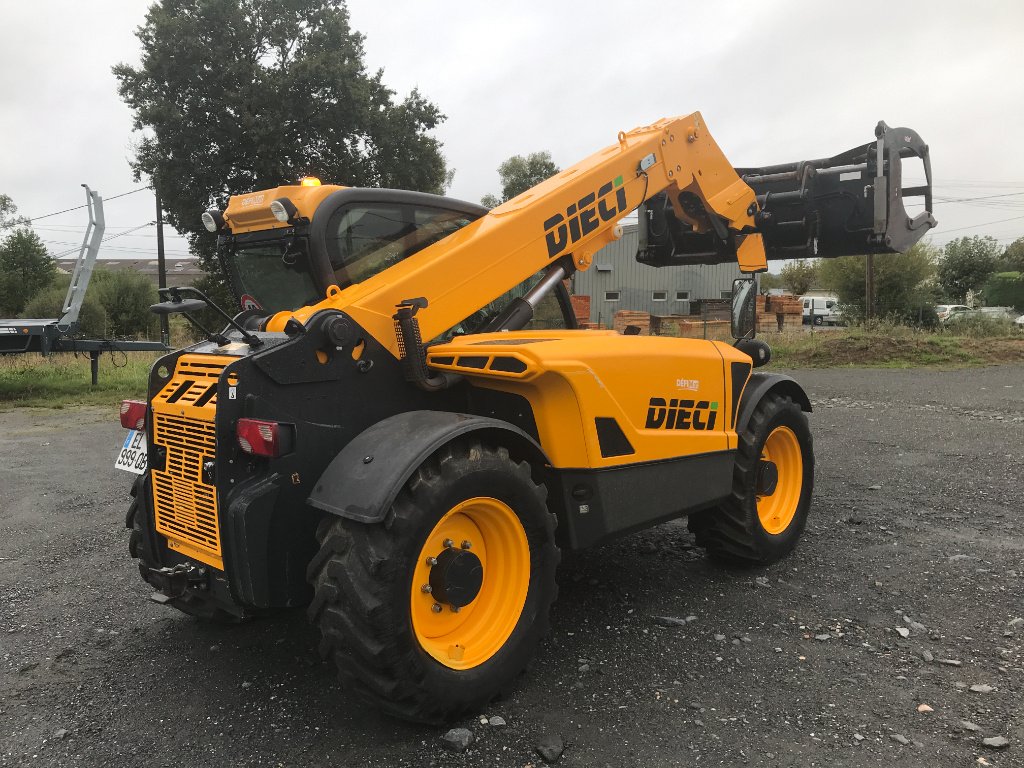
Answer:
(779, 313)
(627, 317)
(689, 327)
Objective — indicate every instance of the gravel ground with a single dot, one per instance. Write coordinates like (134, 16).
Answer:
(892, 635)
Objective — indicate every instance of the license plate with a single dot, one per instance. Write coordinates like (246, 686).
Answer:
(133, 455)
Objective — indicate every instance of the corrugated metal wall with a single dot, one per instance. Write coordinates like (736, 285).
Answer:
(615, 268)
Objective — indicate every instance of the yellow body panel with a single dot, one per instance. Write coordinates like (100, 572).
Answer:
(572, 378)
(184, 506)
(574, 213)
(251, 212)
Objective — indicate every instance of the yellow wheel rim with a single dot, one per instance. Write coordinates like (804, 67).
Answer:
(776, 511)
(470, 636)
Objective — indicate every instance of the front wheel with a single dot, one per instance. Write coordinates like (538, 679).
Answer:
(773, 480)
(433, 612)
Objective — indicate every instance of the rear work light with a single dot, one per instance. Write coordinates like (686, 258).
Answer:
(133, 414)
(265, 438)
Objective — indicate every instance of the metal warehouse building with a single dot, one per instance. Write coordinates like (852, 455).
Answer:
(617, 281)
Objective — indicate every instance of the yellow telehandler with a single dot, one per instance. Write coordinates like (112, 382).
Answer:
(403, 427)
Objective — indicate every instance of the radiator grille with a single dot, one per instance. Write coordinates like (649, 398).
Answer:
(183, 423)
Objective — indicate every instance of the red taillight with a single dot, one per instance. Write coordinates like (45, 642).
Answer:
(133, 414)
(264, 438)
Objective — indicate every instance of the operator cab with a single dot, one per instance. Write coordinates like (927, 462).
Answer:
(353, 234)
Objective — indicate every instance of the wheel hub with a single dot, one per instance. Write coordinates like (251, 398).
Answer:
(767, 478)
(456, 578)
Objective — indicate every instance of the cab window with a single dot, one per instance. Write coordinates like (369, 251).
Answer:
(367, 238)
(549, 314)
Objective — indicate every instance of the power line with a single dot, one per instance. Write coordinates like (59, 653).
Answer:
(105, 239)
(985, 224)
(79, 207)
(939, 198)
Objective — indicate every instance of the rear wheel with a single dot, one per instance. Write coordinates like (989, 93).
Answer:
(433, 612)
(772, 484)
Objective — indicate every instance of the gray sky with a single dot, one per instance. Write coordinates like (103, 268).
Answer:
(776, 82)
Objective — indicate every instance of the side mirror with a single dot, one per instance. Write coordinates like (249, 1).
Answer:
(175, 307)
(744, 307)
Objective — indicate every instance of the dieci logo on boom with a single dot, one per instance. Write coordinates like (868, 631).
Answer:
(681, 414)
(583, 216)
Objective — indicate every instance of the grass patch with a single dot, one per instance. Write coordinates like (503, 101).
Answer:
(63, 380)
(891, 347)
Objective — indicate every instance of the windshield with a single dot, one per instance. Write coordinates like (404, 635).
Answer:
(272, 276)
(366, 238)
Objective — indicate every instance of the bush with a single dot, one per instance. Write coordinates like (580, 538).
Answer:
(48, 303)
(1005, 289)
(126, 297)
(980, 327)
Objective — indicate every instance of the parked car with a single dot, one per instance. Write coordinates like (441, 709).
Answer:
(945, 311)
(998, 313)
(1019, 321)
(821, 310)
(985, 313)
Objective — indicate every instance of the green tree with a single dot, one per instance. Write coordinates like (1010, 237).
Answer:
(126, 296)
(902, 289)
(966, 264)
(519, 173)
(1005, 289)
(8, 210)
(799, 276)
(25, 269)
(1012, 259)
(238, 95)
(768, 281)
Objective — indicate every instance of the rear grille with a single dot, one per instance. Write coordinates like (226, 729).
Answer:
(184, 425)
(186, 506)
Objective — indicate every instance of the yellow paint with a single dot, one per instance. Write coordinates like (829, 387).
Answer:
(251, 212)
(185, 508)
(473, 635)
(478, 263)
(776, 511)
(573, 377)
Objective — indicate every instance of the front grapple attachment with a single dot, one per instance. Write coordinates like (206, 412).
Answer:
(851, 204)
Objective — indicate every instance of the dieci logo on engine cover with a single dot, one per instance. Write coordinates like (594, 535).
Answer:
(681, 414)
(581, 218)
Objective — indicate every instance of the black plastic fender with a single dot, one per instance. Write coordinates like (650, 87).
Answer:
(759, 385)
(364, 479)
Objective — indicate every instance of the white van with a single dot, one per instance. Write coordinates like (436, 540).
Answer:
(821, 310)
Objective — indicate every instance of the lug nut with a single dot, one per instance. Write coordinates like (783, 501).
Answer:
(467, 544)
(431, 561)
(448, 543)
(436, 608)
(455, 609)
(426, 588)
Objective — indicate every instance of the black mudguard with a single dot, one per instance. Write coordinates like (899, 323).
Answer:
(364, 479)
(759, 385)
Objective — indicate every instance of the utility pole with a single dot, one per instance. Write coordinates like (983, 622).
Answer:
(869, 286)
(165, 331)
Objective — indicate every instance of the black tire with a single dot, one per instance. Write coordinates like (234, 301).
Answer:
(819, 320)
(362, 577)
(140, 548)
(733, 533)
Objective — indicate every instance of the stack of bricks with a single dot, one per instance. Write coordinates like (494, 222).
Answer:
(630, 317)
(689, 327)
(581, 308)
(771, 308)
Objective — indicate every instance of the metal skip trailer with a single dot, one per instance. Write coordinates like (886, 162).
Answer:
(49, 335)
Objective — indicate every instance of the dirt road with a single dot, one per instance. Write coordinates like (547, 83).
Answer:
(903, 593)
